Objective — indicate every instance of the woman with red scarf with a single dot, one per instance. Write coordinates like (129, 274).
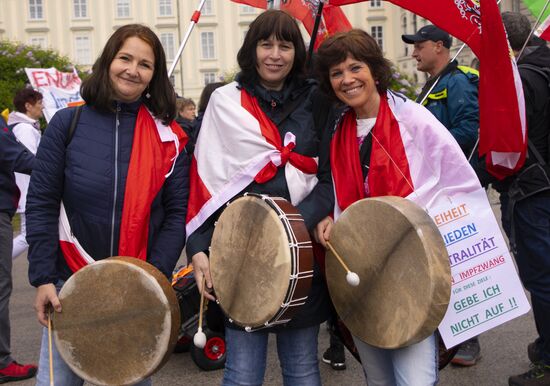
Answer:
(116, 183)
(386, 145)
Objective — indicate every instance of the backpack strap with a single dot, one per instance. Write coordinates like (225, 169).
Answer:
(72, 127)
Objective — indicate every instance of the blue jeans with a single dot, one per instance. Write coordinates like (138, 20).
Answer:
(414, 365)
(247, 353)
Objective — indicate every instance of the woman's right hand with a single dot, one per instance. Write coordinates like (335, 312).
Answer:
(322, 230)
(46, 295)
(201, 266)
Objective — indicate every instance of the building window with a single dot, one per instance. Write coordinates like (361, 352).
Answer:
(377, 32)
(247, 10)
(123, 8)
(415, 22)
(375, 3)
(83, 50)
(168, 43)
(207, 45)
(36, 10)
(38, 41)
(80, 8)
(515, 5)
(165, 7)
(207, 8)
(209, 77)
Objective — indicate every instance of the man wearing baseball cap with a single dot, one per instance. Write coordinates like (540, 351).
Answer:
(454, 98)
(454, 102)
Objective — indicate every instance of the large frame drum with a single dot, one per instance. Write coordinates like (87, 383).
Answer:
(401, 259)
(119, 323)
(261, 261)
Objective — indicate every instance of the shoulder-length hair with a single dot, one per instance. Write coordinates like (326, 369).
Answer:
(359, 45)
(283, 27)
(97, 89)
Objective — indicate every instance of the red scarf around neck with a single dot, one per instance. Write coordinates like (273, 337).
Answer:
(389, 173)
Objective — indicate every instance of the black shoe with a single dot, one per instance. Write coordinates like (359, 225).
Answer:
(468, 353)
(534, 352)
(335, 357)
(538, 375)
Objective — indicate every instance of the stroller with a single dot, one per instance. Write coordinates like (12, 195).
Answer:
(212, 356)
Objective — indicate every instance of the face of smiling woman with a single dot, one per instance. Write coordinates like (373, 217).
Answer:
(353, 84)
(274, 60)
(132, 69)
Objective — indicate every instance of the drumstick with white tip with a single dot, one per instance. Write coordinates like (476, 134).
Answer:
(50, 345)
(200, 337)
(351, 277)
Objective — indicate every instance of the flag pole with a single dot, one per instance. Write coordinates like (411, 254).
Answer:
(318, 16)
(533, 29)
(194, 20)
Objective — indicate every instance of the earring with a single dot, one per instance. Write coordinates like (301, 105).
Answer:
(148, 95)
(377, 82)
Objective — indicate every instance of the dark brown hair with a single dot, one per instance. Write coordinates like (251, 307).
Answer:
(207, 93)
(181, 103)
(97, 89)
(284, 27)
(359, 45)
(26, 95)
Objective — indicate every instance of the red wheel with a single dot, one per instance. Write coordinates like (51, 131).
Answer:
(212, 356)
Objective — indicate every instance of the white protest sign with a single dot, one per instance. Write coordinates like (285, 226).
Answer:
(486, 290)
(59, 89)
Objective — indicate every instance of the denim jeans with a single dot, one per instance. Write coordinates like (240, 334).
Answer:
(63, 375)
(414, 365)
(247, 353)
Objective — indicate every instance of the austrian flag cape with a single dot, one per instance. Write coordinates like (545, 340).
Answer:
(413, 155)
(237, 145)
(155, 149)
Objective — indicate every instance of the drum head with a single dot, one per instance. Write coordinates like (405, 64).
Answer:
(119, 322)
(401, 259)
(250, 261)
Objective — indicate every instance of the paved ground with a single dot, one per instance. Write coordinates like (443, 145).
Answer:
(503, 350)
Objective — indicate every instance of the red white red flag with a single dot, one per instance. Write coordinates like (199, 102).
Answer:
(543, 30)
(501, 103)
(333, 18)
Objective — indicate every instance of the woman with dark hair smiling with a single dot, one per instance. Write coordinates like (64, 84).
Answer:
(115, 178)
(251, 128)
(386, 145)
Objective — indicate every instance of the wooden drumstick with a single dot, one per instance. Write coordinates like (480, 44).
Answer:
(50, 345)
(199, 340)
(351, 277)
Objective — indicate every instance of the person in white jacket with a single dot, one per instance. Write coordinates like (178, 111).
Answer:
(26, 128)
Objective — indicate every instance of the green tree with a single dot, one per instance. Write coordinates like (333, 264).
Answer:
(14, 58)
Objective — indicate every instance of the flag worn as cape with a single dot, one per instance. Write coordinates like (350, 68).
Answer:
(502, 133)
(155, 149)
(333, 18)
(413, 155)
(236, 147)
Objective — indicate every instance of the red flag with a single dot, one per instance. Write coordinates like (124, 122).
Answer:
(543, 31)
(501, 103)
(333, 19)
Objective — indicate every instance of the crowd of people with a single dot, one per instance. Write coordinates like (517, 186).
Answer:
(126, 172)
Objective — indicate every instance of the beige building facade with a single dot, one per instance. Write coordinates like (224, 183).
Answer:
(80, 28)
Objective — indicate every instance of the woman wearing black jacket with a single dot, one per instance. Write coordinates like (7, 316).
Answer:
(272, 60)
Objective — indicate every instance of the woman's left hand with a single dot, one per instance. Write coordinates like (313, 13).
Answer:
(322, 230)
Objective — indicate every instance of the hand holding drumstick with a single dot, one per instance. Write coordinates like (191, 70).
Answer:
(322, 235)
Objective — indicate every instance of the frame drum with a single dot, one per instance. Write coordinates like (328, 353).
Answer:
(261, 261)
(119, 323)
(401, 259)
